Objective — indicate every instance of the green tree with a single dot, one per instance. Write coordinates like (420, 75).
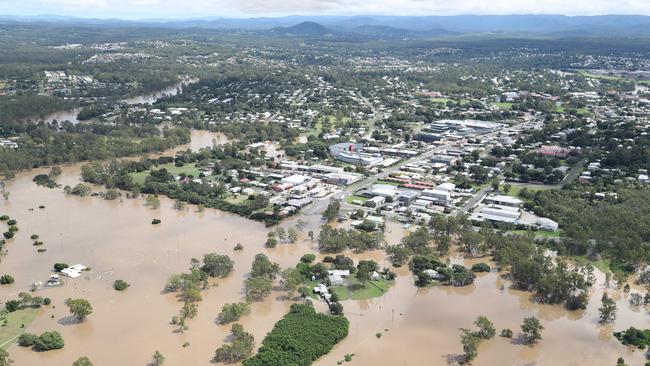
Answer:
(82, 361)
(80, 308)
(332, 210)
(292, 235)
(232, 312)
(532, 329)
(486, 328)
(470, 343)
(262, 266)
(5, 360)
(217, 265)
(291, 279)
(158, 358)
(607, 309)
(241, 347)
(257, 288)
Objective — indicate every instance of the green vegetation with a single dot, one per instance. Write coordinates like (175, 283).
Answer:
(215, 265)
(82, 361)
(45, 342)
(79, 308)
(601, 264)
(240, 348)
(349, 199)
(300, 338)
(120, 285)
(532, 330)
(624, 221)
(232, 312)
(16, 322)
(504, 105)
(6, 279)
(634, 337)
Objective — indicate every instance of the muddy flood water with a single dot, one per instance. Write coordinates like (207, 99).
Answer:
(116, 239)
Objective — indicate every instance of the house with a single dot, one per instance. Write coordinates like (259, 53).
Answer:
(74, 271)
(433, 274)
(335, 280)
(555, 151)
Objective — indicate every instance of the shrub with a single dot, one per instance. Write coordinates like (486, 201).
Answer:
(13, 305)
(155, 221)
(4, 218)
(34, 237)
(58, 267)
(481, 267)
(6, 279)
(49, 341)
(506, 333)
(308, 258)
(120, 285)
(47, 301)
(8, 234)
(238, 247)
(27, 339)
(12, 222)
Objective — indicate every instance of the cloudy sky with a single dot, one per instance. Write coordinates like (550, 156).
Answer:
(134, 9)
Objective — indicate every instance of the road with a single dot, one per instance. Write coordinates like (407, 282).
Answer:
(319, 206)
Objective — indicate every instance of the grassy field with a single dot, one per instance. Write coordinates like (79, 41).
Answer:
(17, 322)
(370, 290)
(440, 100)
(506, 105)
(611, 77)
(355, 198)
(540, 233)
(514, 190)
(188, 169)
(602, 265)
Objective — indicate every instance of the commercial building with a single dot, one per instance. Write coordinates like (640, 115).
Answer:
(440, 197)
(503, 200)
(352, 153)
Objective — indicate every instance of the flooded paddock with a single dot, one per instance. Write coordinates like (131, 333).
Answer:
(116, 239)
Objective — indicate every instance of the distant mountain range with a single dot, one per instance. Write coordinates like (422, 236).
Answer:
(392, 26)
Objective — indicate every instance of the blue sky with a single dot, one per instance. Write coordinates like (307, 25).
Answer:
(138, 9)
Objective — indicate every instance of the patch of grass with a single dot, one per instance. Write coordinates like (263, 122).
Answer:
(602, 265)
(355, 198)
(504, 105)
(371, 289)
(188, 169)
(440, 100)
(540, 233)
(15, 321)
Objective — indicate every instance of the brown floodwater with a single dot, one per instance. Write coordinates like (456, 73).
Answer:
(117, 240)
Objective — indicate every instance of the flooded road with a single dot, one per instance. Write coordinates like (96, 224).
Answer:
(116, 239)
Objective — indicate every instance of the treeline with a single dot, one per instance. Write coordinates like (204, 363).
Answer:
(617, 227)
(216, 160)
(47, 146)
(19, 107)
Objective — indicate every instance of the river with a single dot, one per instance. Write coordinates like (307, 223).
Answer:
(71, 115)
(117, 240)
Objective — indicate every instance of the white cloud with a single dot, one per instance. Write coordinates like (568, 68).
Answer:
(198, 8)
